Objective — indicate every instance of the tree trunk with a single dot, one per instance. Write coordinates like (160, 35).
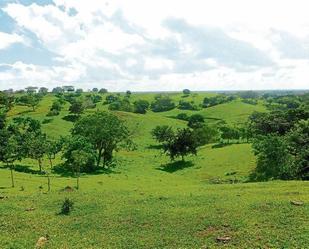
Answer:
(40, 164)
(182, 158)
(12, 176)
(51, 163)
(77, 179)
(99, 158)
(48, 182)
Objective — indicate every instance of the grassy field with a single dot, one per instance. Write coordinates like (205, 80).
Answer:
(148, 202)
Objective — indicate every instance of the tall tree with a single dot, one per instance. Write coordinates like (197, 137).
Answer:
(105, 131)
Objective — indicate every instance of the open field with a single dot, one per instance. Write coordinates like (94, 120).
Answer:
(148, 202)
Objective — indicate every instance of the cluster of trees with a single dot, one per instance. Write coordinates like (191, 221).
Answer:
(118, 103)
(217, 100)
(92, 142)
(185, 141)
(281, 141)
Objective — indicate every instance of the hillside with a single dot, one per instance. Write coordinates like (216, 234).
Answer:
(147, 202)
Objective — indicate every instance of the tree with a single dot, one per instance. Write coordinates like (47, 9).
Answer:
(162, 133)
(76, 107)
(273, 158)
(228, 133)
(55, 108)
(36, 147)
(205, 134)
(298, 146)
(9, 150)
(186, 92)
(95, 90)
(80, 159)
(31, 99)
(183, 143)
(185, 105)
(196, 121)
(79, 145)
(6, 100)
(103, 91)
(105, 131)
(162, 104)
(53, 147)
(43, 90)
(128, 93)
(57, 89)
(141, 106)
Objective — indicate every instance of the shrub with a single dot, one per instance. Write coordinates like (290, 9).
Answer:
(67, 206)
(182, 116)
(141, 106)
(162, 104)
(196, 121)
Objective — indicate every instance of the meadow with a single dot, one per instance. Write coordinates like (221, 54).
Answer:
(147, 201)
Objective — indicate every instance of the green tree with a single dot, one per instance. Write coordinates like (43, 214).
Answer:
(196, 121)
(103, 91)
(76, 107)
(141, 106)
(105, 131)
(273, 158)
(163, 133)
(205, 135)
(79, 145)
(162, 103)
(186, 92)
(183, 143)
(298, 146)
(35, 147)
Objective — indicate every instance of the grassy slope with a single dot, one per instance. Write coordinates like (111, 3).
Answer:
(143, 203)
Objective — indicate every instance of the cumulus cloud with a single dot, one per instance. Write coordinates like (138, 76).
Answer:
(150, 46)
(6, 40)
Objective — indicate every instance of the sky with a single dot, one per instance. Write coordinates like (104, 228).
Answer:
(164, 45)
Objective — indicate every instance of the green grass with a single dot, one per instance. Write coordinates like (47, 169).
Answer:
(147, 202)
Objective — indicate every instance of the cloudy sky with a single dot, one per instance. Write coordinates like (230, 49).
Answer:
(154, 45)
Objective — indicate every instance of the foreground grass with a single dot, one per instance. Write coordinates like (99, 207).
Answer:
(113, 213)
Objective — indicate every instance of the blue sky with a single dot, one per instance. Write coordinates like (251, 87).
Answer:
(155, 45)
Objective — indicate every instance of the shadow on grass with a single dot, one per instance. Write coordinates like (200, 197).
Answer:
(71, 118)
(175, 166)
(66, 172)
(155, 147)
(23, 169)
(220, 145)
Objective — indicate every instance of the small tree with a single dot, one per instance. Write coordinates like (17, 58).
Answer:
(95, 90)
(273, 158)
(186, 92)
(103, 91)
(76, 107)
(80, 159)
(162, 103)
(36, 147)
(141, 106)
(183, 143)
(72, 147)
(196, 121)
(43, 90)
(9, 150)
(162, 133)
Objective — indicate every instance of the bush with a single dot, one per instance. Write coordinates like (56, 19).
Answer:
(162, 104)
(196, 121)
(67, 206)
(52, 113)
(182, 116)
(185, 105)
(141, 106)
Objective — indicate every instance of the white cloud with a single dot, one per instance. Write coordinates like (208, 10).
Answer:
(168, 45)
(6, 40)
